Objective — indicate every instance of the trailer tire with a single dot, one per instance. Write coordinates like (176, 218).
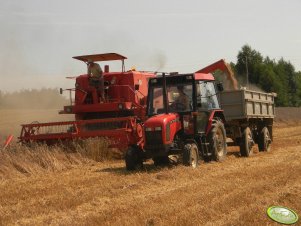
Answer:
(247, 143)
(264, 140)
(133, 161)
(191, 155)
(217, 141)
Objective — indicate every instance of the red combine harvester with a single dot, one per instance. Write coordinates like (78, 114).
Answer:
(119, 117)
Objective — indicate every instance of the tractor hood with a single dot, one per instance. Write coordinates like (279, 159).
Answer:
(161, 120)
(161, 129)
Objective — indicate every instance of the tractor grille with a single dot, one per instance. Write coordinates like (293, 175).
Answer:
(105, 125)
(153, 137)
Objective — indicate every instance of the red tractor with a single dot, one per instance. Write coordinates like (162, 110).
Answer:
(119, 117)
(184, 118)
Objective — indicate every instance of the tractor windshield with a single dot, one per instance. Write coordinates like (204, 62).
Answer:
(179, 97)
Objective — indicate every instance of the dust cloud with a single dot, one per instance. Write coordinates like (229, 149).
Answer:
(33, 99)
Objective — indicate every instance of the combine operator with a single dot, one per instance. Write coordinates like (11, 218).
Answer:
(96, 78)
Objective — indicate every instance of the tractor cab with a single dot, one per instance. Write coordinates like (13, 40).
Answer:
(191, 97)
(184, 118)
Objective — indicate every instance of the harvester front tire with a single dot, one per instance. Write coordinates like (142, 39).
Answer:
(133, 160)
(246, 143)
(217, 141)
(191, 155)
(264, 140)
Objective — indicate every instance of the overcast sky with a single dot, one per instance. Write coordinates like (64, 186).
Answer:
(38, 38)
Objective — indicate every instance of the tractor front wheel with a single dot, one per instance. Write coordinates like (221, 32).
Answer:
(191, 155)
(133, 161)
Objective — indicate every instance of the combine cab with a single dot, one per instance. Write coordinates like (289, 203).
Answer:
(119, 117)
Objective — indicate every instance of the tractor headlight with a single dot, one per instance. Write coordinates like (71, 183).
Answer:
(148, 129)
(158, 128)
(120, 106)
(68, 109)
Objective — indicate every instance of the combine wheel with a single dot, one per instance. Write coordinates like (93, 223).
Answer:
(217, 141)
(133, 160)
(246, 143)
(264, 140)
(191, 155)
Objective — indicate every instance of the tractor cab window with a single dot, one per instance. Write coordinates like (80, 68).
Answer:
(179, 97)
(157, 104)
(206, 96)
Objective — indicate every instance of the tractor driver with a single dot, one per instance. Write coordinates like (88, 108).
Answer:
(96, 77)
(182, 102)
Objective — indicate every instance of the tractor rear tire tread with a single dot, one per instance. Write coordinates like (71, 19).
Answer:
(217, 141)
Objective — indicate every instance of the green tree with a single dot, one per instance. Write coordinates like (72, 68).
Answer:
(271, 76)
(248, 59)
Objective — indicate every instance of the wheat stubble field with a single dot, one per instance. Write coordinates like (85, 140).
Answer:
(75, 190)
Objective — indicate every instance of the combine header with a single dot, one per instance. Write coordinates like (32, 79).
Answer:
(119, 117)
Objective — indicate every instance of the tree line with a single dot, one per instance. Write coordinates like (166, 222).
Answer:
(269, 75)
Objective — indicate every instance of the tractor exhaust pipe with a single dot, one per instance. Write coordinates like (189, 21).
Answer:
(165, 100)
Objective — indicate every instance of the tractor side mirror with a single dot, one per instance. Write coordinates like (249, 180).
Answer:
(61, 90)
(137, 87)
(220, 87)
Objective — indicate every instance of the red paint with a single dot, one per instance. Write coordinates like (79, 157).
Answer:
(203, 76)
(162, 120)
(8, 140)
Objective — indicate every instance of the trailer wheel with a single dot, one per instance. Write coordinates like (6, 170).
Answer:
(133, 160)
(247, 143)
(191, 155)
(264, 140)
(217, 141)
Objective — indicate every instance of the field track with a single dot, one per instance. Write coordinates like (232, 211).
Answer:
(235, 192)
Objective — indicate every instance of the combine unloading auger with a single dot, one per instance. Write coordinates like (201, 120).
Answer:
(224, 67)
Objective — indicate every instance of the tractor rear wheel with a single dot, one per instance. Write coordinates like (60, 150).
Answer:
(191, 155)
(247, 143)
(217, 141)
(133, 161)
(264, 140)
